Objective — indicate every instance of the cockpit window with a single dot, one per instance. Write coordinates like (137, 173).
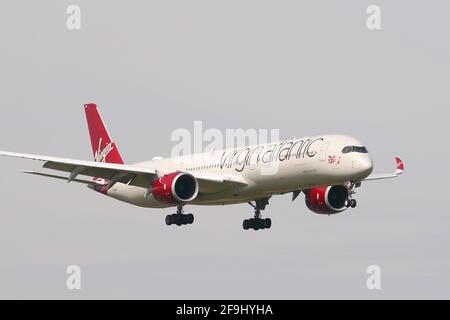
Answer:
(349, 149)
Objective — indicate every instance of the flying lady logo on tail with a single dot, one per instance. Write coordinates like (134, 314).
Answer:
(101, 154)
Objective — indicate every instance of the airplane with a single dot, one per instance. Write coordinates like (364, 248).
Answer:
(326, 168)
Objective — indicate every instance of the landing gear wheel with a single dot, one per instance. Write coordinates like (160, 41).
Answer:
(178, 219)
(257, 224)
(251, 224)
(353, 203)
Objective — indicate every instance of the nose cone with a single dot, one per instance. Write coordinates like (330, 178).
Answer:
(363, 166)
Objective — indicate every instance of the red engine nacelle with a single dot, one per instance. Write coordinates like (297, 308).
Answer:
(327, 199)
(176, 187)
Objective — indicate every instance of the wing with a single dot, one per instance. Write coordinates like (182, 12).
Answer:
(398, 171)
(108, 171)
(113, 173)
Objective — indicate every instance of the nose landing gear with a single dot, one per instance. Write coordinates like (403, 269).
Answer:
(257, 223)
(179, 218)
(350, 202)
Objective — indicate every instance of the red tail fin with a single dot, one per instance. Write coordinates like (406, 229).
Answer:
(104, 148)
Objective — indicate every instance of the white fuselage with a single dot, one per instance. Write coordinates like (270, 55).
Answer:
(268, 169)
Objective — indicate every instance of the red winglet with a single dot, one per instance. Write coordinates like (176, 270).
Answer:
(400, 166)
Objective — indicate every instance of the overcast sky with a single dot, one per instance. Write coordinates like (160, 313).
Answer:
(304, 67)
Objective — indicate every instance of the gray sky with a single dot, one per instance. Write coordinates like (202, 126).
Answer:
(304, 67)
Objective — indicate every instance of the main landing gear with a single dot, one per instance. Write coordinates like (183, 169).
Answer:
(257, 222)
(179, 218)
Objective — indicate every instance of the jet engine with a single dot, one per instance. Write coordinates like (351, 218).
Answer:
(176, 187)
(327, 199)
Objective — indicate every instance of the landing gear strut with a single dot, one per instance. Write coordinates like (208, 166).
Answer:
(179, 218)
(257, 222)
